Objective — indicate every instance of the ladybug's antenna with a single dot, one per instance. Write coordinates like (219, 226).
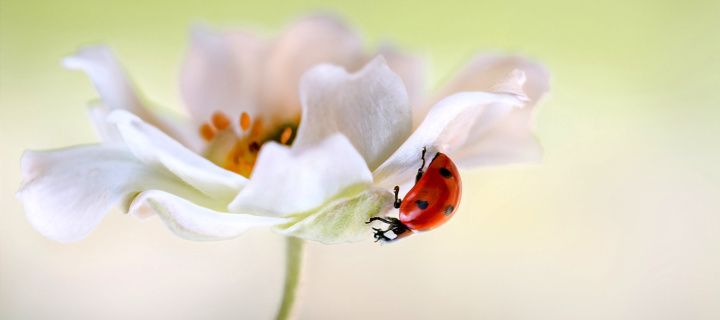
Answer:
(420, 171)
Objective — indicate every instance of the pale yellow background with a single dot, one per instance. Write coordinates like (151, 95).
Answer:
(622, 221)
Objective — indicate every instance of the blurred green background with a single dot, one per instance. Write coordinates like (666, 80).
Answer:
(621, 221)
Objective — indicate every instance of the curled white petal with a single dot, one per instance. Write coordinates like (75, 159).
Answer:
(107, 132)
(67, 192)
(445, 128)
(193, 222)
(508, 139)
(109, 78)
(117, 92)
(512, 84)
(156, 149)
(484, 72)
(288, 181)
(370, 107)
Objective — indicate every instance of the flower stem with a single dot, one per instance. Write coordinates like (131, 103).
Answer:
(293, 265)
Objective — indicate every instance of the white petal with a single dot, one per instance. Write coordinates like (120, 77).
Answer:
(370, 107)
(410, 69)
(67, 192)
(288, 181)
(342, 220)
(445, 128)
(512, 84)
(194, 222)
(509, 140)
(107, 132)
(485, 72)
(156, 149)
(310, 41)
(220, 73)
(109, 79)
(117, 93)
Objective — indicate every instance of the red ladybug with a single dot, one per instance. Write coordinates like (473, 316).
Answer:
(429, 204)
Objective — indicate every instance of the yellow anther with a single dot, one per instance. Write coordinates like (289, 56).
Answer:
(220, 120)
(238, 151)
(285, 136)
(207, 132)
(245, 121)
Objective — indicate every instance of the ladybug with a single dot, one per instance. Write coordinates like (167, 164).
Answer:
(429, 204)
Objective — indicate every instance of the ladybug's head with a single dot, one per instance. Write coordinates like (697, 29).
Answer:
(400, 231)
(397, 230)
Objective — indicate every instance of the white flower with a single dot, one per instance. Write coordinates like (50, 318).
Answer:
(318, 179)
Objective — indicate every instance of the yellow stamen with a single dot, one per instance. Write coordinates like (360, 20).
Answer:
(207, 132)
(241, 161)
(238, 151)
(246, 169)
(245, 121)
(285, 136)
(220, 120)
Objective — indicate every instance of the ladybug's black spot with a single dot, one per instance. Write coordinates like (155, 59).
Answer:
(446, 173)
(422, 204)
(449, 210)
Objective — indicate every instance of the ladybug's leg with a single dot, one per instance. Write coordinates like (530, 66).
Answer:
(420, 171)
(380, 235)
(378, 218)
(397, 201)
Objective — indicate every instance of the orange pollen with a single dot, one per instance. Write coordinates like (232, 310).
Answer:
(220, 120)
(285, 136)
(207, 132)
(245, 121)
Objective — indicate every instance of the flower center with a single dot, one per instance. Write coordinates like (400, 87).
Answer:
(236, 148)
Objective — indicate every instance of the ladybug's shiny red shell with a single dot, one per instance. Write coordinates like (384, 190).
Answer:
(434, 198)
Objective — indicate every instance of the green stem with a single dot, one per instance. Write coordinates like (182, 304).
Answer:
(294, 253)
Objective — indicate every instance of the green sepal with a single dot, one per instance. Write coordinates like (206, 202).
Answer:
(341, 220)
